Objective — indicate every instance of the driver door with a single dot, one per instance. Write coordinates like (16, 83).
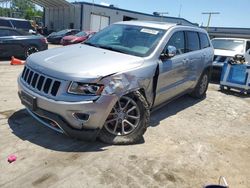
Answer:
(173, 72)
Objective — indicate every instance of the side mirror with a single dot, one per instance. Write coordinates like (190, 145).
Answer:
(169, 52)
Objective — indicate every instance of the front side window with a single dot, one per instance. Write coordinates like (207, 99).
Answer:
(129, 39)
(193, 42)
(13, 33)
(178, 41)
(229, 44)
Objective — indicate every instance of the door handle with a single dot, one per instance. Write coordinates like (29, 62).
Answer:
(185, 61)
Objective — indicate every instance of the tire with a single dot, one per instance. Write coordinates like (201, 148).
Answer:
(222, 88)
(117, 129)
(30, 50)
(200, 89)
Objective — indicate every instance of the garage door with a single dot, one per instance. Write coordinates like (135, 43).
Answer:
(98, 22)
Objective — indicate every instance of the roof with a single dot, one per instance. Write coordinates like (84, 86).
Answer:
(161, 25)
(152, 24)
(9, 18)
(3, 27)
(52, 3)
(230, 38)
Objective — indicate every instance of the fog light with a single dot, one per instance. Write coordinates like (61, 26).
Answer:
(81, 116)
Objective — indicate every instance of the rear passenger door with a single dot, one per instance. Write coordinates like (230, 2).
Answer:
(194, 55)
(4, 47)
(10, 44)
(173, 72)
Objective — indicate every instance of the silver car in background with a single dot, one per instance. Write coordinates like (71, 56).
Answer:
(107, 86)
(227, 48)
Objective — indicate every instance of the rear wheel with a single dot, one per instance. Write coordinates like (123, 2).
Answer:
(201, 87)
(127, 121)
(30, 50)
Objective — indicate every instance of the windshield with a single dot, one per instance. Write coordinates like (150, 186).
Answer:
(63, 32)
(229, 44)
(81, 34)
(129, 39)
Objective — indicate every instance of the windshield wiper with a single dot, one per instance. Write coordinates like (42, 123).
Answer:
(90, 44)
(112, 49)
(225, 49)
(105, 47)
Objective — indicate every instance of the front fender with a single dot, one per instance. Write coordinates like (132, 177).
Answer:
(121, 84)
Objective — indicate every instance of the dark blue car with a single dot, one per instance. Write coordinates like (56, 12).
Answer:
(56, 37)
(19, 43)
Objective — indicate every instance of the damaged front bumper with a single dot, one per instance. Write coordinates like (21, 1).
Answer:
(81, 120)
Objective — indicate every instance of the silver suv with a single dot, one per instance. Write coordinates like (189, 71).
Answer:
(107, 86)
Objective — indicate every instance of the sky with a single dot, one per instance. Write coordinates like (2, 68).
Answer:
(233, 13)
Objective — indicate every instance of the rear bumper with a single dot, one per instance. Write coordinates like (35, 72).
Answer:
(65, 43)
(60, 115)
(54, 40)
(44, 47)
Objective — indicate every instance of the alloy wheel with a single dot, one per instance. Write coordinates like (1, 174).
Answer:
(31, 50)
(203, 84)
(124, 117)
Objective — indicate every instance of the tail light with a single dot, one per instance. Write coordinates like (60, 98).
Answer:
(44, 40)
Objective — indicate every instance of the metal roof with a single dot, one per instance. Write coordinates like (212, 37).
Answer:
(52, 3)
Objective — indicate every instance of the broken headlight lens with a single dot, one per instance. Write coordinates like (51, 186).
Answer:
(85, 89)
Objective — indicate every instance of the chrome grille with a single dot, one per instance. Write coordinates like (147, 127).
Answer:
(40, 82)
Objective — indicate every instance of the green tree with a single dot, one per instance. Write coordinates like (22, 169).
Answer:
(26, 9)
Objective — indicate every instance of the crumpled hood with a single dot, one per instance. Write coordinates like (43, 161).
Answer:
(227, 53)
(81, 62)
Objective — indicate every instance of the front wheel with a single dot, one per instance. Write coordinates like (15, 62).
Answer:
(201, 87)
(30, 50)
(128, 120)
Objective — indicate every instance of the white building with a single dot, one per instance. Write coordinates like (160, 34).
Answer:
(60, 14)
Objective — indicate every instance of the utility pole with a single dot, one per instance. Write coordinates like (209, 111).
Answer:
(209, 17)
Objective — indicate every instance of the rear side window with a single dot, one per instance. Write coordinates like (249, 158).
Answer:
(204, 41)
(193, 42)
(19, 24)
(13, 33)
(178, 41)
(4, 32)
(8, 32)
(5, 23)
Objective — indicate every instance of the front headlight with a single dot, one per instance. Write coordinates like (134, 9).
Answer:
(85, 89)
